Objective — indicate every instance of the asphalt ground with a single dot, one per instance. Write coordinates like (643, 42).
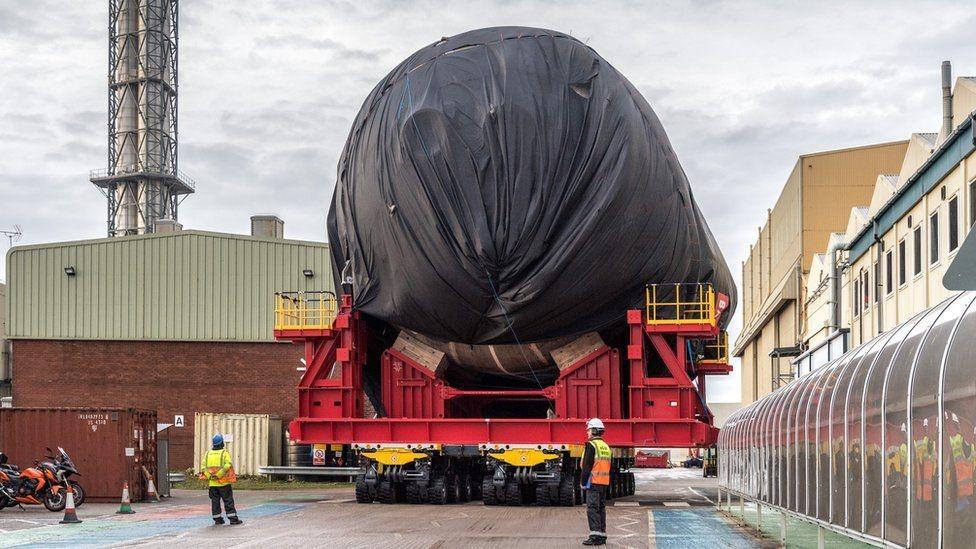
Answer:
(672, 508)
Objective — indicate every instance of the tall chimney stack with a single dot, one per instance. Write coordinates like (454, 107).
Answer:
(946, 101)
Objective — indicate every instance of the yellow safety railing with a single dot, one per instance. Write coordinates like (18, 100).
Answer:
(717, 350)
(680, 303)
(304, 310)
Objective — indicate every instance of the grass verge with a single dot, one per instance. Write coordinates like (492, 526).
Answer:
(261, 483)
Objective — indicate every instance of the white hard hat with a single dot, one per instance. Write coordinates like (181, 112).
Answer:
(925, 422)
(955, 417)
(595, 423)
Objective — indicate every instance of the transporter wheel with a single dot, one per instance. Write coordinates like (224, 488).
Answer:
(513, 494)
(362, 490)
(412, 492)
(543, 495)
(567, 492)
(451, 482)
(489, 495)
(464, 487)
(477, 487)
(437, 491)
(386, 492)
(632, 482)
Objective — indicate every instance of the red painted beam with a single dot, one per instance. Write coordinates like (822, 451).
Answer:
(668, 433)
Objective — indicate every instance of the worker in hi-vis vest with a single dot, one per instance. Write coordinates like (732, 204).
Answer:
(595, 479)
(219, 470)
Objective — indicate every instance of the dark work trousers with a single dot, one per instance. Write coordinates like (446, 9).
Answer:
(225, 493)
(596, 509)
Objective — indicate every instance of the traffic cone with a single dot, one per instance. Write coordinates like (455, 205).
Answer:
(70, 516)
(126, 507)
(151, 496)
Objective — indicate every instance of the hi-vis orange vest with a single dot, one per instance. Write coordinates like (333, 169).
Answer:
(600, 474)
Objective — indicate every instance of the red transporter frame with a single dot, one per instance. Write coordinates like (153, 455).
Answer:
(666, 411)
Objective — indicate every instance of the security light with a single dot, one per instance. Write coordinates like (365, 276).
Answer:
(308, 272)
(69, 270)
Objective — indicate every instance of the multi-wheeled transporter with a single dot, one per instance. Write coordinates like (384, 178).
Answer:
(439, 444)
(519, 251)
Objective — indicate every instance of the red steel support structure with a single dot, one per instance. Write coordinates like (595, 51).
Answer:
(651, 410)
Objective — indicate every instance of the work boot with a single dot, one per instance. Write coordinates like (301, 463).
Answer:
(594, 540)
(218, 521)
(235, 521)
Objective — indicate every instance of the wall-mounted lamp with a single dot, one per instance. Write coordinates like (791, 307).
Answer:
(308, 273)
(70, 270)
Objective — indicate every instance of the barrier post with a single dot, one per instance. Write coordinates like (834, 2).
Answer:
(782, 529)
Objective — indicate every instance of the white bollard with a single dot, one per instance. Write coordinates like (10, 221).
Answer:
(820, 537)
(758, 518)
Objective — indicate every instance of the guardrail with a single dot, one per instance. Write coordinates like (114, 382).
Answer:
(304, 310)
(279, 470)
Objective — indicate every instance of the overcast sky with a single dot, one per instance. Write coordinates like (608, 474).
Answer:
(268, 90)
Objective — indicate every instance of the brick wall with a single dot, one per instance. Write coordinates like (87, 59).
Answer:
(169, 377)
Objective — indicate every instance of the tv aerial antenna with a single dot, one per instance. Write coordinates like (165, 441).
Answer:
(13, 235)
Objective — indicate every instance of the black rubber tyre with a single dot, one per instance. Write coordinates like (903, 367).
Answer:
(437, 492)
(399, 492)
(632, 480)
(413, 493)
(464, 487)
(513, 494)
(362, 490)
(489, 495)
(567, 492)
(543, 495)
(477, 487)
(453, 490)
(385, 492)
(55, 501)
(79, 493)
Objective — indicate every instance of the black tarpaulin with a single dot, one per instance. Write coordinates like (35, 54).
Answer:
(508, 185)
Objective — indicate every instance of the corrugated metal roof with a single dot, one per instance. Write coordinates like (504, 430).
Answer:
(945, 159)
(184, 286)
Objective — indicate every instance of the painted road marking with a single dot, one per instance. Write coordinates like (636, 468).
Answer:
(336, 501)
(626, 504)
(651, 530)
(676, 504)
(696, 527)
(98, 532)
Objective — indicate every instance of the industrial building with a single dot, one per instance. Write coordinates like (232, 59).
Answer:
(4, 345)
(178, 322)
(814, 202)
(897, 245)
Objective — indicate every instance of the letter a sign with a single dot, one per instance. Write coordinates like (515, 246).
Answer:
(178, 421)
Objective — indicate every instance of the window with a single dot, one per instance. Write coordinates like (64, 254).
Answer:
(902, 263)
(857, 296)
(972, 203)
(865, 290)
(953, 223)
(934, 238)
(889, 271)
(877, 282)
(917, 249)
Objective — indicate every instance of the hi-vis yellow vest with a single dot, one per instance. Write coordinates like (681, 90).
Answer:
(600, 474)
(218, 464)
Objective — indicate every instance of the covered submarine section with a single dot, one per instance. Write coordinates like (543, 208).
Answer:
(505, 191)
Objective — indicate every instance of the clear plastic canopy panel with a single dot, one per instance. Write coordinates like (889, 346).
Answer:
(881, 441)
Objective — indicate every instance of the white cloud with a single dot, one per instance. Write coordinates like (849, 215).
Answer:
(268, 90)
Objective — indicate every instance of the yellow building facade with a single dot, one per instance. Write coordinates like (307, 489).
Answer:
(898, 245)
(814, 203)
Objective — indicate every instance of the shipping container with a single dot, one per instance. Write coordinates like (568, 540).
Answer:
(109, 446)
(653, 459)
(254, 440)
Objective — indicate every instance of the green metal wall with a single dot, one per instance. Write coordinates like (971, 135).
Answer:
(185, 286)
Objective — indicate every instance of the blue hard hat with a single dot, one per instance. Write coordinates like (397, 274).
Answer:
(218, 439)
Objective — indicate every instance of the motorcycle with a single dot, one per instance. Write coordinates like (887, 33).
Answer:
(46, 483)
